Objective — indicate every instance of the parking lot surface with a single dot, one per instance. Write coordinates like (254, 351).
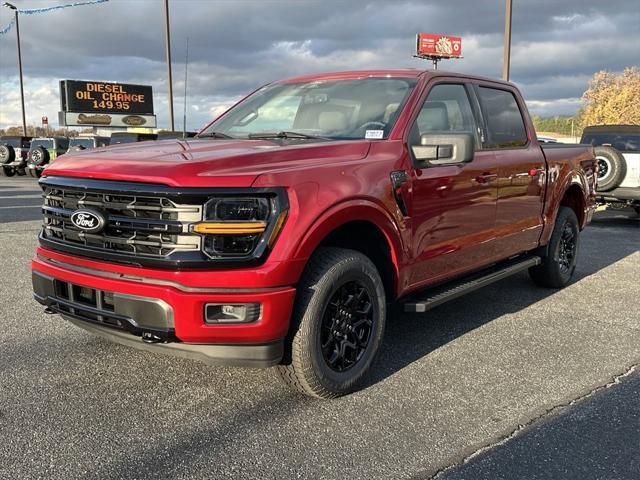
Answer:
(447, 383)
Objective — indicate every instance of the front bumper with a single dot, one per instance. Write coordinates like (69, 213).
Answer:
(163, 318)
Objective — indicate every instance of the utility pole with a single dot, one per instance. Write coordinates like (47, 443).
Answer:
(24, 120)
(507, 41)
(184, 110)
(167, 38)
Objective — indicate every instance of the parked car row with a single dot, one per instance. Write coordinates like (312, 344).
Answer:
(21, 155)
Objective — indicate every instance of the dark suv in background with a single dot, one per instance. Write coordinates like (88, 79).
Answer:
(82, 143)
(14, 151)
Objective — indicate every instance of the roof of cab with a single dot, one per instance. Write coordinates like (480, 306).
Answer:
(355, 74)
(399, 73)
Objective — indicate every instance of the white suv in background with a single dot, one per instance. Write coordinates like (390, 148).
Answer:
(617, 149)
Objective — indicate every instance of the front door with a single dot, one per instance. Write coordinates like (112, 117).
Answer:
(453, 207)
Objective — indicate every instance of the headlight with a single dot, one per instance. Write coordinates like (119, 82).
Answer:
(241, 227)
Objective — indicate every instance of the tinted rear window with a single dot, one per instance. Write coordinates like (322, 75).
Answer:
(85, 142)
(504, 120)
(625, 142)
(15, 142)
(123, 139)
(42, 143)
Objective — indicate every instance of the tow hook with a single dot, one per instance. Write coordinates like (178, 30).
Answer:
(48, 311)
(148, 337)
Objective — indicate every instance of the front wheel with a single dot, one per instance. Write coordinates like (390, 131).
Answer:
(34, 172)
(337, 324)
(559, 264)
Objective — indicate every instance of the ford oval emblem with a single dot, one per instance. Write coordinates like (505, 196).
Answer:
(91, 221)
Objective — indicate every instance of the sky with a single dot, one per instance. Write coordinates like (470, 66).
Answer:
(237, 45)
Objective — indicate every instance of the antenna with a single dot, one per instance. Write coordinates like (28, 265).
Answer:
(184, 111)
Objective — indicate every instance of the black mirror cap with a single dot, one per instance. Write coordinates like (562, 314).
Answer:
(443, 149)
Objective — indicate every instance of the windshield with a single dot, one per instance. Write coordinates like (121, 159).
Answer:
(336, 109)
(624, 142)
(81, 142)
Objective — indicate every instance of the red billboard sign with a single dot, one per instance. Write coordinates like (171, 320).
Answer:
(442, 46)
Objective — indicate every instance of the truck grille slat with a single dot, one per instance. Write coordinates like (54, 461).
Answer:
(136, 224)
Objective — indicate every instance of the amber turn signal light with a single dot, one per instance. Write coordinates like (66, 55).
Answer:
(231, 228)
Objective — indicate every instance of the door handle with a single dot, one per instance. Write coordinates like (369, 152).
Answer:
(485, 177)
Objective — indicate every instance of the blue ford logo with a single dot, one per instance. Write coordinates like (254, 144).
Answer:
(91, 221)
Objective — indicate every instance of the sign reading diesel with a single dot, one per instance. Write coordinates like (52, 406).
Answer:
(103, 97)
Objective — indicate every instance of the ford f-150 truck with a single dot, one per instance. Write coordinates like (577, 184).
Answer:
(280, 235)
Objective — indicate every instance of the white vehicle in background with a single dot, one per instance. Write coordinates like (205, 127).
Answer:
(617, 149)
(546, 139)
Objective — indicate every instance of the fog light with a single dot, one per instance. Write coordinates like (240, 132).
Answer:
(231, 313)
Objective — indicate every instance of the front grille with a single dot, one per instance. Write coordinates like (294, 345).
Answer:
(137, 224)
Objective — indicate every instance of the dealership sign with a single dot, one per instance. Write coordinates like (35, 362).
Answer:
(431, 45)
(103, 104)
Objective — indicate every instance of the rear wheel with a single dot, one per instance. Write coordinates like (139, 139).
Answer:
(559, 264)
(337, 324)
(7, 171)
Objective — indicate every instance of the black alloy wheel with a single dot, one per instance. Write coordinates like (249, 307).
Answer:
(346, 326)
(567, 248)
(604, 168)
(558, 263)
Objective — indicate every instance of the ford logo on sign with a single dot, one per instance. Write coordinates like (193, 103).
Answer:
(91, 221)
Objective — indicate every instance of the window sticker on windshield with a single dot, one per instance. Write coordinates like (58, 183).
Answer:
(374, 134)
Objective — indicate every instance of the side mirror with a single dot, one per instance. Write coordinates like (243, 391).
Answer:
(444, 148)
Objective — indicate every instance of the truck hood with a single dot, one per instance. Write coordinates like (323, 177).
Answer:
(206, 162)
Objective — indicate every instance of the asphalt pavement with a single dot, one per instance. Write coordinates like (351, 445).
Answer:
(498, 384)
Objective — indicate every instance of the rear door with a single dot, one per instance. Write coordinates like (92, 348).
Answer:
(520, 166)
(452, 206)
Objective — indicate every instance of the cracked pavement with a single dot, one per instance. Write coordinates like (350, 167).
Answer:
(462, 377)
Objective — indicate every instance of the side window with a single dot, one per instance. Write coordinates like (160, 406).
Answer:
(504, 119)
(446, 109)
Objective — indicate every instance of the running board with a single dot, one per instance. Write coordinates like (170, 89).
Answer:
(439, 295)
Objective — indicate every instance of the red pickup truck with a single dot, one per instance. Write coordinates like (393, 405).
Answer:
(282, 232)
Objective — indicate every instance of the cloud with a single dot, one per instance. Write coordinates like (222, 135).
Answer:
(236, 45)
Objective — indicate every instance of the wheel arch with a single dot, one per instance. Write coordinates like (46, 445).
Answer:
(346, 225)
(574, 198)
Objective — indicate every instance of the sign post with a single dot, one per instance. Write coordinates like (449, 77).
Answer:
(435, 47)
(103, 104)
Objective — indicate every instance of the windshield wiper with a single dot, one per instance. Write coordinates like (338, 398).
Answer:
(284, 134)
(214, 135)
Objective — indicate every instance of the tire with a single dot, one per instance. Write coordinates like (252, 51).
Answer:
(612, 168)
(340, 299)
(7, 171)
(7, 154)
(559, 264)
(39, 156)
(34, 172)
